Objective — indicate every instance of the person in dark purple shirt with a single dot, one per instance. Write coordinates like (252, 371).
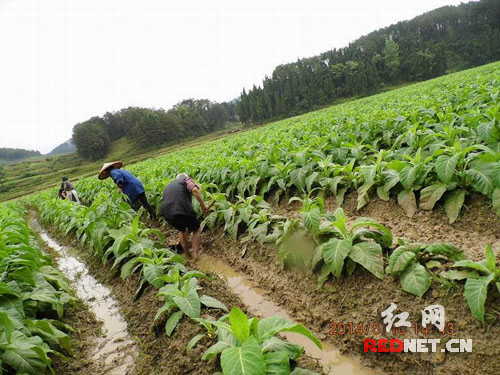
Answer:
(127, 184)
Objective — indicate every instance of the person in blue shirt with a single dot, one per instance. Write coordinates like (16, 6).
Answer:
(127, 184)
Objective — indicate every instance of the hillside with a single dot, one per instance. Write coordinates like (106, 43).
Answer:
(66, 147)
(29, 176)
(442, 41)
(15, 155)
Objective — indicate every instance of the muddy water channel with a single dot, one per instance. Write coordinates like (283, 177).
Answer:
(115, 350)
(254, 298)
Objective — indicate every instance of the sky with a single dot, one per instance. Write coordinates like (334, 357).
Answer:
(64, 61)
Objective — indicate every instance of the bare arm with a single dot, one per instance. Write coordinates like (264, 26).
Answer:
(197, 194)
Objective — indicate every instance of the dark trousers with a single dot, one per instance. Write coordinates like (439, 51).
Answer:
(141, 200)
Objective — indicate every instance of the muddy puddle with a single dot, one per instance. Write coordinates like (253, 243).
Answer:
(115, 350)
(254, 298)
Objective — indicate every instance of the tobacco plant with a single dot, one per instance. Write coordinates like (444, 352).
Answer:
(479, 277)
(414, 263)
(250, 346)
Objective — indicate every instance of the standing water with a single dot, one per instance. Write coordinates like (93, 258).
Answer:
(115, 349)
(252, 296)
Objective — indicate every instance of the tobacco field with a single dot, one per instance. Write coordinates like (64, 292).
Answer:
(298, 195)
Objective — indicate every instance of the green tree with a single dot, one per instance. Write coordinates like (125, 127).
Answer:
(91, 139)
(2, 176)
(391, 59)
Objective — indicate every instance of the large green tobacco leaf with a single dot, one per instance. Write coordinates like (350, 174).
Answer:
(311, 219)
(407, 200)
(49, 333)
(400, 259)
(334, 253)
(215, 349)
(239, 324)
(445, 249)
(445, 167)
(475, 293)
(391, 178)
(274, 344)
(453, 204)
(6, 327)
(474, 265)
(408, 175)
(271, 326)
(245, 360)
(189, 304)
(495, 198)
(415, 279)
(212, 302)
(369, 255)
(480, 181)
(430, 195)
(382, 235)
(277, 363)
(172, 322)
(26, 355)
(302, 371)
(459, 274)
(490, 258)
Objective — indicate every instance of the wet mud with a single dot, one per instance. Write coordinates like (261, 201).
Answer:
(258, 304)
(159, 354)
(114, 350)
(361, 298)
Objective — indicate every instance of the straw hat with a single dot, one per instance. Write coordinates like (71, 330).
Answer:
(104, 173)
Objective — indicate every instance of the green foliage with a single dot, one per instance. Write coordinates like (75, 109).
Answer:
(10, 155)
(414, 263)
(479, 276)
(343, 246)
(32, 291)
(91, 140)
(391, 58)
(181, 297)
(150, 128)
(3, 179)
(250, 346)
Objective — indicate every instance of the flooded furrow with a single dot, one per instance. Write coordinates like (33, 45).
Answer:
(116, 350)
(333, 362)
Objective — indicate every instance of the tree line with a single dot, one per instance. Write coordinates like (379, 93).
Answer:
(16, 154)
(150, 128)
(442, 41)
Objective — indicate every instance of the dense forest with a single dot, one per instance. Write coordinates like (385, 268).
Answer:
(444, 40)
(149, 128)
(10, 155)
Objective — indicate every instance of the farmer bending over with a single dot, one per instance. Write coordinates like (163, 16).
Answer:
(69, 190)
(177, 209)
(127, 184)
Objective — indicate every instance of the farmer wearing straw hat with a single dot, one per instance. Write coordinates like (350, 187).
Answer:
(127, 184)
(177, 209)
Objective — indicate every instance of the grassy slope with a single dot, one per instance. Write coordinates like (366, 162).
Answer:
(31, 176)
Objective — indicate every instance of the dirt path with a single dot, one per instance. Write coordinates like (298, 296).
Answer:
(159, 354)
(260, 305)
(112, 352)
(362, 297)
